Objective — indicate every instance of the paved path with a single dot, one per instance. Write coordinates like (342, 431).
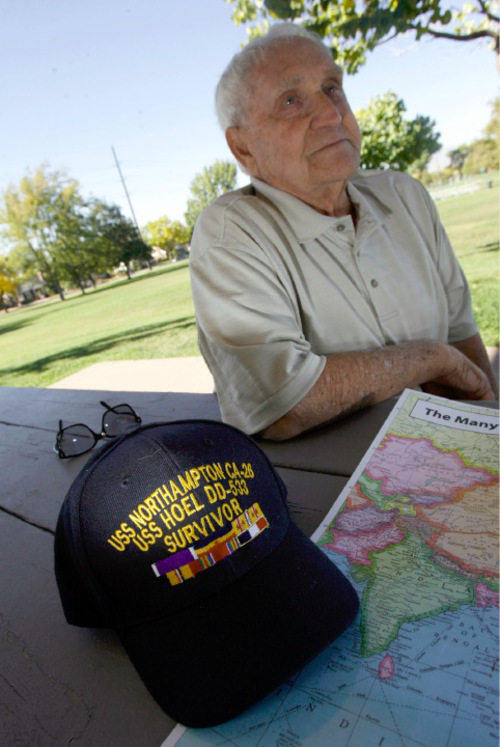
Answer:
(188, 374)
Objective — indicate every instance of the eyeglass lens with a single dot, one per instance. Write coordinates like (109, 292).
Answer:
(116, 420)
(76, 439)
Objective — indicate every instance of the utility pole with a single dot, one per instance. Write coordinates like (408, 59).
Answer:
(126, 192)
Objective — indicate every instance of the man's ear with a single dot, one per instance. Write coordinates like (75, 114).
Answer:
(237, 140)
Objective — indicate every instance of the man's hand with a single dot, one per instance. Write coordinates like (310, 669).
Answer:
(474, 349)
(464, 380)
(351, 381)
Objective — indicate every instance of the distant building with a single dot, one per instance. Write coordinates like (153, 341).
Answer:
(159, 254)
(32, 290)
(179, 252)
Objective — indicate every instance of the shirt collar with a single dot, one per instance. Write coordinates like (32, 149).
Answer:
(306, 222)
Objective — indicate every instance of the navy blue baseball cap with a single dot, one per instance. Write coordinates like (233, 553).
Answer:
(178, 536)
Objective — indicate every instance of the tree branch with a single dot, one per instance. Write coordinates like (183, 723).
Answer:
(388, 39)
(482, 34)
(487, 13)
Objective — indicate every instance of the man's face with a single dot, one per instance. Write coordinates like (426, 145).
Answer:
(299, 133)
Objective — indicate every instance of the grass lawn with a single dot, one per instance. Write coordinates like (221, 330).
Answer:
(149, 316)
(152, 315)
(472, 223)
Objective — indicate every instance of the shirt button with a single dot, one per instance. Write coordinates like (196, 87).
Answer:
(340, 227)
(374, 283)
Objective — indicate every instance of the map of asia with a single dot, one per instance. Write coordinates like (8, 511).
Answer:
(416, 530)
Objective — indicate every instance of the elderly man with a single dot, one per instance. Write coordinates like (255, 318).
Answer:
(321, 288)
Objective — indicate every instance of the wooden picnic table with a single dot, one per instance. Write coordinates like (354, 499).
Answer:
(62, 684)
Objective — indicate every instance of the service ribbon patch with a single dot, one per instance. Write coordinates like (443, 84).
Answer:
(188, 563)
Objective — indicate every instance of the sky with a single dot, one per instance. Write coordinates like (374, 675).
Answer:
(79, 78)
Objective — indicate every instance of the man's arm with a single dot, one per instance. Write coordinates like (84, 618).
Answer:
(351, 381)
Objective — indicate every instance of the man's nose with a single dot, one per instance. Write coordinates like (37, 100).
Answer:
(325, 111)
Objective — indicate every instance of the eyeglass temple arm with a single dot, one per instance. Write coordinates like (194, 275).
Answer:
(113, 409)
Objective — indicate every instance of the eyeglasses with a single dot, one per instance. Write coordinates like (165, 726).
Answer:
(78, 438)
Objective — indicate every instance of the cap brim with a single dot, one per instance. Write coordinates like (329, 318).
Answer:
(215, 659)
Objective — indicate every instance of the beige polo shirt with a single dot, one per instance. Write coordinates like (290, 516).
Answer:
(277, 286)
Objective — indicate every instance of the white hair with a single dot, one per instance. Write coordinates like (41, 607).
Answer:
(233, 88)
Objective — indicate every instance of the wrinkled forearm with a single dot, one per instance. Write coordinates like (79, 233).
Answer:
(351, 381)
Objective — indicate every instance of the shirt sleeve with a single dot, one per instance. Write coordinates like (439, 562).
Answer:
(249, 329)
